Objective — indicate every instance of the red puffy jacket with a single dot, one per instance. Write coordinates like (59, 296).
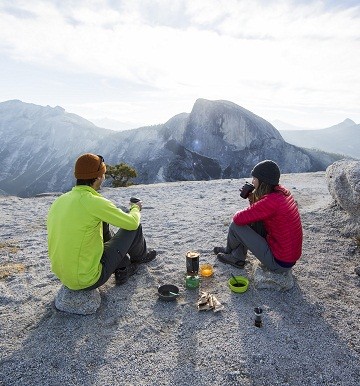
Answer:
(279, 213)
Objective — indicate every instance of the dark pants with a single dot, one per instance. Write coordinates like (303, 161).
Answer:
(253, 237)
(119, 250)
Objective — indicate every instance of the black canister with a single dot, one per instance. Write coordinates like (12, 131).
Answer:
(192, 263)
(258, 316)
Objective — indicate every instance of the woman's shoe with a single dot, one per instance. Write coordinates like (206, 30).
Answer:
(219, 250)
(230, 259)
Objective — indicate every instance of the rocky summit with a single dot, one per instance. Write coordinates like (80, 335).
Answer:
(218, 139)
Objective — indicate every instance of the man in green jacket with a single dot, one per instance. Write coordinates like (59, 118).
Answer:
(82, 251)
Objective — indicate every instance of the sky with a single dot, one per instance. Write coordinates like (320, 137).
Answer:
(140, 62)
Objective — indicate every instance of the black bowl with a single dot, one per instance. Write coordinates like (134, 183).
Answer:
(166, 292)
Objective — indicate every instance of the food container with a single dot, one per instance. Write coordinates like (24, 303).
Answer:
(192, 281)
(192, 263)
(206, 270)
(238, 284)
(168, 292)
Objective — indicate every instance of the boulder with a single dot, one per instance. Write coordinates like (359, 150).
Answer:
(266, 279)
(81, 302)
(343, 180)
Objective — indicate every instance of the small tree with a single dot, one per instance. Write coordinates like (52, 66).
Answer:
(121, 174)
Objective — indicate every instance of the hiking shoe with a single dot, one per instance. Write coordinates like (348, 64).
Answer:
(151, 254)
(122, 274)
(230, 259)
(219, 250)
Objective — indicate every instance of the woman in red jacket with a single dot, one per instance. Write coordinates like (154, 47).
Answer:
(270, 227)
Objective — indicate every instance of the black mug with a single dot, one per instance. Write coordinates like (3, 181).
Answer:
(246, 190)
(134, 200)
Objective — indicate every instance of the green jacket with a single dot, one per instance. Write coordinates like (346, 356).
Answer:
(75, 238)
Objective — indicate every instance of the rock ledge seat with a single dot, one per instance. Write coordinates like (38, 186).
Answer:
(81, 302)
(265, 279)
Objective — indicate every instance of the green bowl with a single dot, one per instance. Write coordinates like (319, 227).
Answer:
(239, 285)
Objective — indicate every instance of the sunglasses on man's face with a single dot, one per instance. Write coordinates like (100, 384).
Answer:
(101, 161)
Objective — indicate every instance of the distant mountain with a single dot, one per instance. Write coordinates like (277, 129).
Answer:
(113, 124)
(342, 138)
(218, 139)
(38, 147)
(284, 126)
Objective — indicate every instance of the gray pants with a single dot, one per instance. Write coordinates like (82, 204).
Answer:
(119, 250)
(241, 238)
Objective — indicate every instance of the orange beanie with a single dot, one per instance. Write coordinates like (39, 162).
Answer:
(89, 166)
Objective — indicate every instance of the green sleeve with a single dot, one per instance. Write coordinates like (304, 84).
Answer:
(106, 211)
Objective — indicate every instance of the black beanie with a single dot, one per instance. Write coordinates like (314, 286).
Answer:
(267, 171)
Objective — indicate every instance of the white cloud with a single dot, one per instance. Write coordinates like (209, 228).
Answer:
(266, 56)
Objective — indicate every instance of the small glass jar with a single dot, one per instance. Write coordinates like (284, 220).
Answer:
(206, 270)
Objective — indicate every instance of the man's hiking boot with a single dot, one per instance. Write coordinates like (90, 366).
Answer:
(151, 254)
(122, 274)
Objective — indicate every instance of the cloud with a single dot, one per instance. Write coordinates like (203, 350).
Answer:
(254, 51)
(18, 13)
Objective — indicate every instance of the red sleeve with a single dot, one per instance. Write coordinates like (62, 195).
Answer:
(258, 211)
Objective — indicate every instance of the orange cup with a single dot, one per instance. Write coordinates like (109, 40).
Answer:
(206, 270)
